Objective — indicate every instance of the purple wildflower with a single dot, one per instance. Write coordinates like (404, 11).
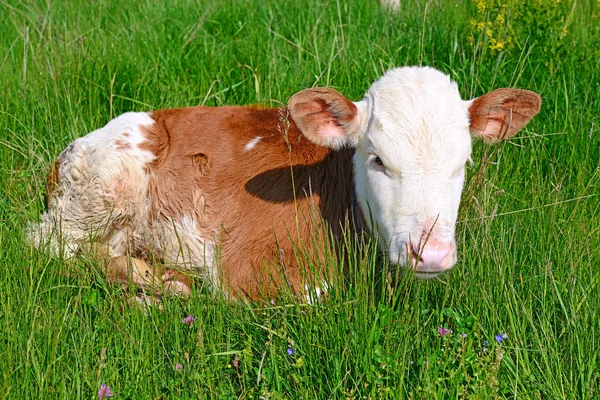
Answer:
(291, 351)
(178, 367)
(104, 392)
(463, 335)
(189, 320)
(500, 337)
(443, 331)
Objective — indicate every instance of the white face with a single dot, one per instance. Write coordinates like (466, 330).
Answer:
(410, 166)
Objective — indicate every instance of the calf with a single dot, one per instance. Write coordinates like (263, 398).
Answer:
(228, 193)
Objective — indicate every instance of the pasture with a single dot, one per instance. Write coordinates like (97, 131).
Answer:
(517, 317)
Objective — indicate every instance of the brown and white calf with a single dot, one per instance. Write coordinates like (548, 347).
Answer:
(227, 192)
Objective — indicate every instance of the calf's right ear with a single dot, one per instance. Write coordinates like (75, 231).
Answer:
(325, 117)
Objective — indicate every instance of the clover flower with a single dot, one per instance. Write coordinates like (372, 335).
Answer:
(189, 320)
(178, 367)
(443, 331)
(104, 392)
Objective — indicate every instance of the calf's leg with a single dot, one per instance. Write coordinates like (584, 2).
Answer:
(126, 270)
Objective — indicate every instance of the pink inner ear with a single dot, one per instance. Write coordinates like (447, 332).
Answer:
(330, 129)
(494, 128)
(327, 127)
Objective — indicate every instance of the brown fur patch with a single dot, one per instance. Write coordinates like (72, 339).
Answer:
(200, 162)
(259, 107)
(259, 204)
(122, 145)
(51, 181)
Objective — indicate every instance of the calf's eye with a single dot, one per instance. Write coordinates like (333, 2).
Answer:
(376, 162)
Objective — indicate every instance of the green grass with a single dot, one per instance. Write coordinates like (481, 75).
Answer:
(529, 229)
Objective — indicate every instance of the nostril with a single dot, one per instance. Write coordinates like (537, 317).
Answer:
(416, 253)
(433, 257)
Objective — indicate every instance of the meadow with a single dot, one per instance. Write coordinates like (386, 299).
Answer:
(516, 318)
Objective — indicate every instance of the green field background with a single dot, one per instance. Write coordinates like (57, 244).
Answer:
(528, 231)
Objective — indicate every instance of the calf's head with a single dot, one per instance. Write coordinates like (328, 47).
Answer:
(412, 134)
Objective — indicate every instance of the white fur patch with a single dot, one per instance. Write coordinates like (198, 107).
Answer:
(102, 185)
(183, 245)
(316, 294)
(393, 5)
(123, 133)
(252, 143)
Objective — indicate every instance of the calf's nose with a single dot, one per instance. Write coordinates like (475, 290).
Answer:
(433, 257)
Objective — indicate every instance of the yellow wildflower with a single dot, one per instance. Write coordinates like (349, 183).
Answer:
(481, 7)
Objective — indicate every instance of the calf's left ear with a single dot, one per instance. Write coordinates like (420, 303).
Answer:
(325, 117)
(500, 114)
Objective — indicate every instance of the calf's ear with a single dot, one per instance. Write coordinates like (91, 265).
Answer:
(325, 117)
(500, 114)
